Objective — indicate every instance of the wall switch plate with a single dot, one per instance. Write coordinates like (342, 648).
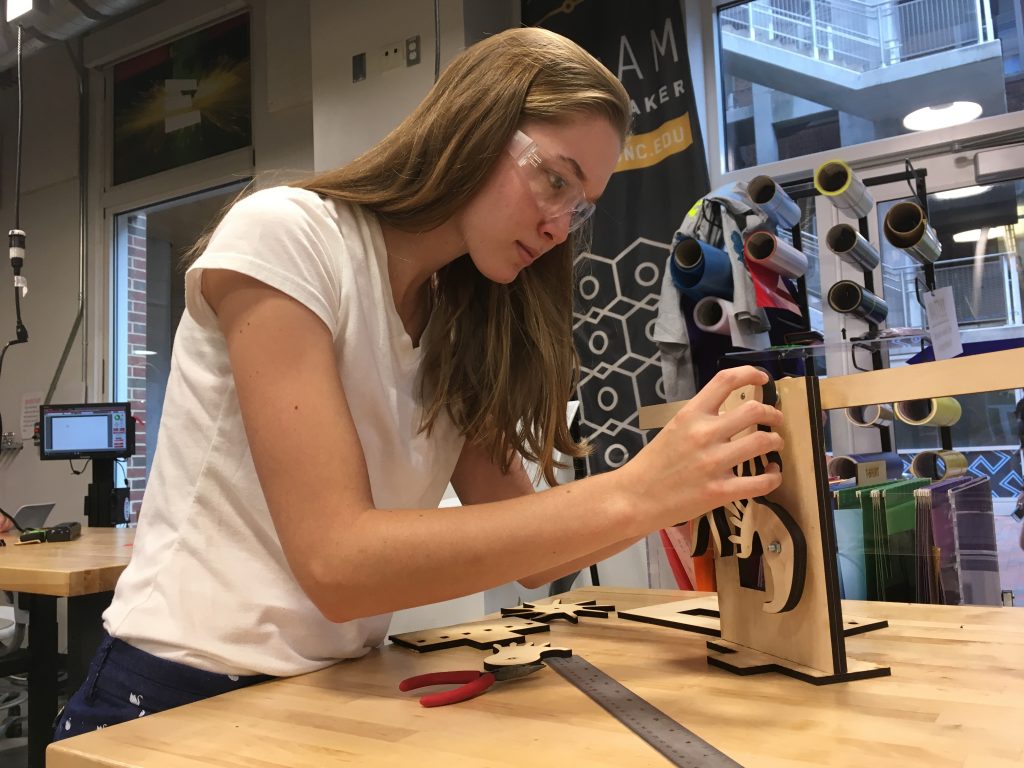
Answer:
(412, 50)
(358, 67)
(391, 56)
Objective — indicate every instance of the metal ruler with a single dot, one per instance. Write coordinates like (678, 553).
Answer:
(681, 746)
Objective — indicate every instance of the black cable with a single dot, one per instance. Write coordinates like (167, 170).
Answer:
(437, 39)
(3, 354)
(78, 471)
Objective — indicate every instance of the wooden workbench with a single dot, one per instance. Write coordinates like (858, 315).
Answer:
(84, 571)
(955, 698)
(90, 564)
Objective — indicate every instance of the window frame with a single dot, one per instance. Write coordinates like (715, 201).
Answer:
(984, 132)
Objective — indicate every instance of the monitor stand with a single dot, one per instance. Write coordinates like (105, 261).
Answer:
(105, 504)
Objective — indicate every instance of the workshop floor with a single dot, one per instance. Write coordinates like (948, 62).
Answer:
(13, 744)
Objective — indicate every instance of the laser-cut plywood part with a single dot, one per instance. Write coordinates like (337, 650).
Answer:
(556, 609)
(785, 610)
(519, 654)
(700, 614)
(478, 634)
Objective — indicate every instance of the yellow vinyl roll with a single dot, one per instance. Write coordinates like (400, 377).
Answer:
(930, 412)
(938, 465)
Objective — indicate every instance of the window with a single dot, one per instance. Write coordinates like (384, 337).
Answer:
(149, 299)
(806, 76)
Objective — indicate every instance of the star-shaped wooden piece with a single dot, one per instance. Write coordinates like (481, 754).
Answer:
(556, 609)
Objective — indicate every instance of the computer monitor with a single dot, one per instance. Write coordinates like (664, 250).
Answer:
(86, 431)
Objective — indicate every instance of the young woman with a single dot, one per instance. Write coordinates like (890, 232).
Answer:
(354, 343)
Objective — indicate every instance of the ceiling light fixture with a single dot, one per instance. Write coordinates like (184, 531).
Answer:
(973, 235)
(956, 194)
(942, 116)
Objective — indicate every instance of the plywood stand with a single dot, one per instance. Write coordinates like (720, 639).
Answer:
(778, 581)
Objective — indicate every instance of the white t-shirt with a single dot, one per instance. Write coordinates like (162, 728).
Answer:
(208, 584)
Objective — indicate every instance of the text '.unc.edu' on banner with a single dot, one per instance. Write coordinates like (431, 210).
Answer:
(647, 149)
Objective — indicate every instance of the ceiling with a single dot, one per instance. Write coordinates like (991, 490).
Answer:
(56, 21)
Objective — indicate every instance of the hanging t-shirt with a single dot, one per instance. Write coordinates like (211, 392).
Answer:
(208, 584)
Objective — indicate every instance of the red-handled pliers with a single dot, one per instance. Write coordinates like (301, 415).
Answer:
(471, 683)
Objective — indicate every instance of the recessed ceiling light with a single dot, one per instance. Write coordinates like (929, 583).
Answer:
(956, 194)
(942, 116)
(974, 235)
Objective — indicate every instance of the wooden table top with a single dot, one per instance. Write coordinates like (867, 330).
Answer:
(89, 564)
(955, 698)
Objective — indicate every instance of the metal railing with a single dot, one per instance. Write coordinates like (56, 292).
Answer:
(986, 294)
(861, 35)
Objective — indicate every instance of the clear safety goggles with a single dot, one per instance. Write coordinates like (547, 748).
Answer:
(557, 194)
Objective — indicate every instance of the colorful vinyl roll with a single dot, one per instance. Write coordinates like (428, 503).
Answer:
(711, 315)
(837, 182)
(870, 415)
(929, 412)
(766, 249)
(700, 270)
(906, 227)
(850, 246)
(938, 465)
(772, 200)
(849, 298)
(847, 466)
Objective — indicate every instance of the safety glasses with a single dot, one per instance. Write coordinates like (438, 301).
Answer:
(557, 193)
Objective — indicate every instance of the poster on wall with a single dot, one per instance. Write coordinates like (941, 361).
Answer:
(182, 102)
(660, 175)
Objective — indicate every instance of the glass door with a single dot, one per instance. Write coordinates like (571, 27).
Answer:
(149, 299)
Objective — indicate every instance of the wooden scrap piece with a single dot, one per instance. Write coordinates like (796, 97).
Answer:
(478, 634)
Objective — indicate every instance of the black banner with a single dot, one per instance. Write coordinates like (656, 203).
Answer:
(662, 172)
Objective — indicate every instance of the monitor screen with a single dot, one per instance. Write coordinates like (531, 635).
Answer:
(86, 431)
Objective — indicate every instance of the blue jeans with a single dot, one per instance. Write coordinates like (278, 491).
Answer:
(125, 683)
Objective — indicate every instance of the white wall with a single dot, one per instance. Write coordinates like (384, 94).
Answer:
(350, 117)
(283, 134)
(49, 216)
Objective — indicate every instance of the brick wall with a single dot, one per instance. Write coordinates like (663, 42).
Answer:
(136, 362)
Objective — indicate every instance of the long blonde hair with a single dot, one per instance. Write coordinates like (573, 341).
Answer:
(498, 359)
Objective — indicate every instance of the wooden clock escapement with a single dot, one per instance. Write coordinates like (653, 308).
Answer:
(758, 629)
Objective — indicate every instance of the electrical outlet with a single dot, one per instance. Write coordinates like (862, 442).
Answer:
(412, 50)
(391, 56)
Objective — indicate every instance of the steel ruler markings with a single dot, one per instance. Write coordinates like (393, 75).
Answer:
(681, 746)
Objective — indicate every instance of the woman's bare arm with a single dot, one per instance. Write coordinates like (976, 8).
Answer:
(354, 560)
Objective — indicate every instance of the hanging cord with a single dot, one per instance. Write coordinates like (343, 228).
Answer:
(16, 237)
(437, 39)
(17, 165)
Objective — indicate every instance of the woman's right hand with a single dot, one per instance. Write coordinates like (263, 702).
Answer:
(687, 469)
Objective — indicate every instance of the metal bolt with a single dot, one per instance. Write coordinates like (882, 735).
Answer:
(775, 547)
